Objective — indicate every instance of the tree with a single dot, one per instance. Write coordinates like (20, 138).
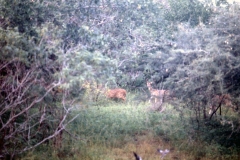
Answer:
(206, 65)
(29, 113)
(41, 75)
(24, 15)
(190, 11)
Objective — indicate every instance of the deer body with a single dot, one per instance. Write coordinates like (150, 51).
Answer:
(157, 95)
(117, 93)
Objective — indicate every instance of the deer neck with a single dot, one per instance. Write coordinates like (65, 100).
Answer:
(150, 88)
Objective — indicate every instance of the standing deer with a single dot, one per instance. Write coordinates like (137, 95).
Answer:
(158, 97)
(117, 93)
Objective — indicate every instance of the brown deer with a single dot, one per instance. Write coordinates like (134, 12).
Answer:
(157, 95)
(117, 93)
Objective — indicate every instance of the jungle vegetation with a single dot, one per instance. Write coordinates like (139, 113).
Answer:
(58, 59)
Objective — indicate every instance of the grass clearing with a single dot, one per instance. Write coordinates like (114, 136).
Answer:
(116, 130)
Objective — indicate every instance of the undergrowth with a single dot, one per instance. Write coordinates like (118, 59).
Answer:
(117, 129)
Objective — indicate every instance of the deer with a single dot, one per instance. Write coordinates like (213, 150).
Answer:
(162, 152)
(157, 94)
(117, 93)
(158, 97)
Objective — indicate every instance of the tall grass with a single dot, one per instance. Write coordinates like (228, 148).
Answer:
(116, 129)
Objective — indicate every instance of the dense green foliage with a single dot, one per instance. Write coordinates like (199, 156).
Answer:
(54, 54)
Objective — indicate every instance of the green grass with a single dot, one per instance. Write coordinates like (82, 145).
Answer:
(115, 130)
(116, 126)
